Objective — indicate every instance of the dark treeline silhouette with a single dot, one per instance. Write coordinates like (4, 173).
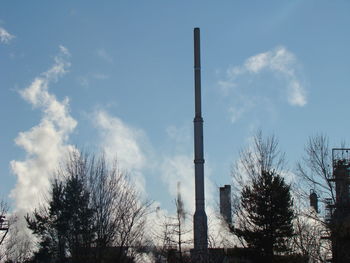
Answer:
(93, 212)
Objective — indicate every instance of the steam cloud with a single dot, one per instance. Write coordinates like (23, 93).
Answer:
(46, 143)
(125, 143)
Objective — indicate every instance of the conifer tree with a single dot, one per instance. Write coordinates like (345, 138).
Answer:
(266, 214)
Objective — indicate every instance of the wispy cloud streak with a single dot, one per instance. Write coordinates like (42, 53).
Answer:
(102, 53)
(5, 37)
(279, 61)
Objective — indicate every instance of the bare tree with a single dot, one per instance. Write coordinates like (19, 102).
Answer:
(131, 219)
(262, 155)
(173, 232)
(120, 214)
(180, 227)
(3, 222)
(315, 172)
(162, 234)
(18, 246)
(315, 168)
(3, 225)
(3, 208)
(308, 240)
(15, 245)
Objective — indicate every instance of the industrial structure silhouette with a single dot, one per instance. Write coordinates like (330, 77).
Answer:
(338, 206)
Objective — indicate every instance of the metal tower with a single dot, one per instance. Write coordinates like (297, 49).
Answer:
(200, 226)
(338, 209)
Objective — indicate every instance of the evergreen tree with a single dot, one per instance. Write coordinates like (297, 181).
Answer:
(78, 216)
(50, 226)
(266, 214)
(65, 227)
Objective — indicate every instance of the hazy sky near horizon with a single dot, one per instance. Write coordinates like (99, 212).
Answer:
(117, 76)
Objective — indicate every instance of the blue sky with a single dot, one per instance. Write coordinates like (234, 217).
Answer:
(118, 76)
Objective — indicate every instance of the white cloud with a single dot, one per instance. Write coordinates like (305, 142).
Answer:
(243, 105)
(46, 143)
(85, 81)
(255, 64)
(5, 37)
(180, 138)
(125, 143)
(103, 54)
(179, 168)
(279, 61)
(100, 76)
(296, 93)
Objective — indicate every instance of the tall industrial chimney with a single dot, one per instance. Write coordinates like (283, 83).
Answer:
(200, 218)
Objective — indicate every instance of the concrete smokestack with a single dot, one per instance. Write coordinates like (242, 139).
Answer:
(200, 227)
(225, 203)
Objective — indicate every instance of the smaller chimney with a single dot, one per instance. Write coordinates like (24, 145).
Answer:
(314, 200)
(225, 203)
